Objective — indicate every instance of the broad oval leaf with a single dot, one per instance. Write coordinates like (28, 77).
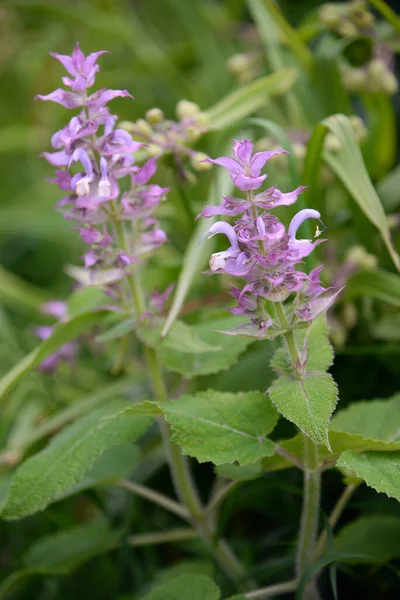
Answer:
(223, 427)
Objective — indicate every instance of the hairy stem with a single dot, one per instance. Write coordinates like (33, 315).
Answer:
(179, 466)
(335, 516)
(162, 537)
(155, 497)
(312, 478)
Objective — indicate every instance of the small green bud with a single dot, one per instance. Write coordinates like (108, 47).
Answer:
(299, 150)
(360, 257)
(389, 83)
(197, 164)
(359, 128)
(127, 126)
(238, 63)
(377, 69)
(354, 80)
(154, 116)
(144, 128)
(346, 29)
(186, 109)
(329, 15)
(154, 150)
(332, 143)
(193, 133)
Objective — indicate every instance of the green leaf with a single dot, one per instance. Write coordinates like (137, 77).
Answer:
(62, 552)
(249, 98)
(310, 400)
(18, 293)
(374, 538)
(193, 364)
(223, 427)
(379, 284)
(388, 189)
(307, 402)
(196, 256)
(181, 337)
(373, 419)
(117, 462)
(85, 300)
(63, 333)
(118, 330)
(379, 470)
(69, 456)
(195, 587)
(347, 163)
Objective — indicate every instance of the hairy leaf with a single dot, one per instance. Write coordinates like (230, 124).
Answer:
(379, 470)
(223, 427)
(69, 456)
(373, 419)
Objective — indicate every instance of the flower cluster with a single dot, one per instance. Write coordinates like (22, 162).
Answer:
(164, 136)
(261, 251)
(119, 230)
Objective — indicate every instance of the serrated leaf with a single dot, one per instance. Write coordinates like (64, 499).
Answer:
(181, 337)
(69, 456)
(195, 587)
(249, 98)
(192, 364)
(313, 340)
(374, 538)
(115, 463)
(64, 551)
(373, 419)
(379, 470)
(307, 402)
(63, 333)
(223, 427)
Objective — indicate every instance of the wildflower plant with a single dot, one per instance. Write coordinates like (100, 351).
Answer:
(233, 370)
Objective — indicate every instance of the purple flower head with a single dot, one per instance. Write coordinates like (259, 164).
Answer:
(262, 252)
(55, 308)
(245, 168)
(90, 157)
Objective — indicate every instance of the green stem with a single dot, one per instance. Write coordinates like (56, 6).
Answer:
(162, 537)
(335, 516)
(273, 590)
(312, 478)
(180, 471)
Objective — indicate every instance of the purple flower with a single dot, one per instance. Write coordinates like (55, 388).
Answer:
(90, 157)
(262, 252)
(245, 168)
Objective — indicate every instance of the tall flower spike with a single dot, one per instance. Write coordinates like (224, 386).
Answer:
(91, 157)
(262, 252)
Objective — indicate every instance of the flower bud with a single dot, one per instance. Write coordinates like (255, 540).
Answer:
(238, 63)
(332, 143)
(346, 29)
(202, 119)
(389, 83)
(359, 128)
(186, 109)
(127, 126)
(361, 258)
(197, 164)
(354, 80)
(154, 116)
(193, 133)
(143, 127)
(154, 150)
(329, 15)
(377, 70)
